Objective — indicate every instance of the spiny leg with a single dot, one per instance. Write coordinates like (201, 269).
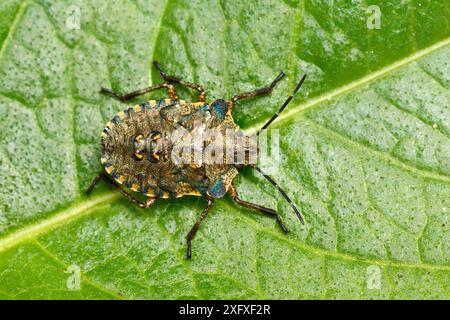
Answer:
(170, 90)
(147, 204)
(258, 92)
(272, 213)
(197, 225)
(173, 79)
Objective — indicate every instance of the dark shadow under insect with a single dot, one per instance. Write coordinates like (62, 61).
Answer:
(152, 174)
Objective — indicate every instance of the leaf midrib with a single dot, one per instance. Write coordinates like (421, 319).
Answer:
(84, 208)
(315, 102)
(59, 218)
(85, 278)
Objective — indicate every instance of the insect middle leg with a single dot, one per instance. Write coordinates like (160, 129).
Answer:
(270, 212)
(147, 204)
(173, 79)
(258, 92)
(170, 90)
(197, 225)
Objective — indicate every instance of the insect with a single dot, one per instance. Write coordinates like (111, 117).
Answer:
(138, 149)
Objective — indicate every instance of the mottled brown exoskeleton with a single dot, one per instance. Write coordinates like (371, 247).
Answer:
(138, 148)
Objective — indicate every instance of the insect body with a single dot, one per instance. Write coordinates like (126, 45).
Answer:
(143, 149)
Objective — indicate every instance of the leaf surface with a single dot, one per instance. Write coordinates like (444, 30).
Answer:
(365, 150)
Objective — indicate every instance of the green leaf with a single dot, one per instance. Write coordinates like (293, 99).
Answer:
(365, 150)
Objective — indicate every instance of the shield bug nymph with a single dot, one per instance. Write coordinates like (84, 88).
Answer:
(142, 148)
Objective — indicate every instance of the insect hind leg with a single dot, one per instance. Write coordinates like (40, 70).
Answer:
(128, 96)
(270, 212)
(141, 204)
(196, 226)
(173, 79)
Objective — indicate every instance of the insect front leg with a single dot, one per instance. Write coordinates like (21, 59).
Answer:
(173, 79)
(170, 90)
(147, 204)
(258, 92)
(270, 212)
(197, 225)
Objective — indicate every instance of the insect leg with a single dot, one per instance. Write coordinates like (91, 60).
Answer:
(136, 201)
(93, 183)
(272, 213)
(170, 89)
(258, 92)
(172, 79)
(197, 225)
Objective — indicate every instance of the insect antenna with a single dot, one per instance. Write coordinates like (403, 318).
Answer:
(284, 105)
(299, 216)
